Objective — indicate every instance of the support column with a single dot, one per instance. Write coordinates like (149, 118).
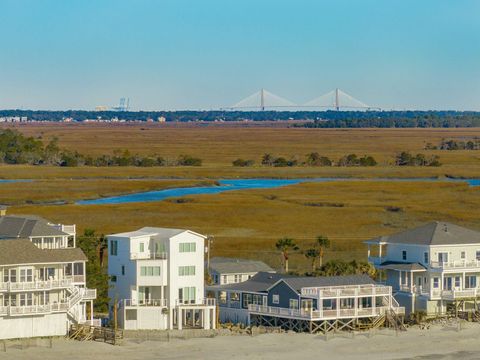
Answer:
(179, 318)
(91, 312)
(206, 317)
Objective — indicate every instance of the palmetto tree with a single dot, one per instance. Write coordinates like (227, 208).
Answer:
(312, 254)
(285, 245)
(323, 243)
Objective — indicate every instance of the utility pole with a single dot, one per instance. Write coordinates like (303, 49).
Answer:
(337, 99)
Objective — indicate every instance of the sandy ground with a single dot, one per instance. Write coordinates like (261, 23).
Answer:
(436, 343)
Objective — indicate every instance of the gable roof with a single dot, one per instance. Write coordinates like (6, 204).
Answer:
(26, 226)
(225, 265)
(300, 282)
(433, 233)
(260, 282)
(23, 251)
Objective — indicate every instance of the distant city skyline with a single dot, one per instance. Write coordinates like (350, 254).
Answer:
(187, 54)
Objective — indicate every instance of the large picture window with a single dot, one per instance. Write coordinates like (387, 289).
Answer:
(187, 247)
(186, 270)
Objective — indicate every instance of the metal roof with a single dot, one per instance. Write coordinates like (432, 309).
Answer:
(260, 282)
(23, 251)
(156, 232)
(26, 226)
(223, 265)
(433, 233)
(399, 266)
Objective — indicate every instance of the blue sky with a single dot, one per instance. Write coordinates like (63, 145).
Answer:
(192, 54)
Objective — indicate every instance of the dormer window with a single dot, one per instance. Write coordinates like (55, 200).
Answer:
(462, 255)
(404, 255)
(425, 257)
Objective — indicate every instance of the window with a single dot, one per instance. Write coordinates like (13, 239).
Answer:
(26, 299)
(224, 279)
(425, 257)
(457, 281)
(113, 247)
(435, 282)
(13, 275)
(477, 255)
(248, 299)
(442, 257)
(142, 247)
(5, 275)
(404, 254)
(78, 269)
(113, 278)
(186, 270)
(187, 295)
(470, 281)
(462, 255)
(276, 299)
(187, 247)
(238, 278)
(234, 296)
(150, 271)
(26, 275)
(123, 269)
(131, 315)
(293, 304)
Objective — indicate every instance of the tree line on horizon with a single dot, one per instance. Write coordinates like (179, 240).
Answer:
(320, 119)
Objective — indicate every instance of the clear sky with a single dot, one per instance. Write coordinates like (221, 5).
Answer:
(192, 54)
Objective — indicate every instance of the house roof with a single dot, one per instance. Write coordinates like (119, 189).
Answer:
(23, 251)
(26, 226)
(395, 265)
(260, 282)
(225, 265)
(433, 233)
(298, 283)
(157, 232)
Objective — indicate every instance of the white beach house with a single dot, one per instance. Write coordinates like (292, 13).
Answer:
(433, 268)
(42, 279)
(157, 279)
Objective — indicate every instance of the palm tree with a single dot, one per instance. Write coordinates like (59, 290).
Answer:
(285, 245)
(323, 243)
(312, 254)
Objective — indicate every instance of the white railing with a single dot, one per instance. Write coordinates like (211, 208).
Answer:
(148, 255)
(458, 264)
(318, 314)
(35, 309)
(36, 285)
(89, 294)
(202, 302)
(69, 229)
(78, 278)
(346, 291)
(149, 302)
(464, 293)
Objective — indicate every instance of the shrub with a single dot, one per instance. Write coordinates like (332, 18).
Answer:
(242, 163)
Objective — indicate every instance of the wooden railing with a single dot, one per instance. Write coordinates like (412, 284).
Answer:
(318, 314)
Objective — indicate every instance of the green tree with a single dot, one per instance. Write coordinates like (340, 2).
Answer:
(323, 243)
(312, 255)
(285, 245)
(93, 246)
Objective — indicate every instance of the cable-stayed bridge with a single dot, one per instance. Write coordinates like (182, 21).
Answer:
(335, 100)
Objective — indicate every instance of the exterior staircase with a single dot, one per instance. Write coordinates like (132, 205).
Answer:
(394, 320)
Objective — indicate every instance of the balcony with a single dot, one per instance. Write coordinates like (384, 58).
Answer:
(36, 285)
(89, 294)
(346, 291)
(460, 294)
(202, 302)
(323, 313)
(141, 303)
(148, 256)
(459, 264)
(35, 309)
